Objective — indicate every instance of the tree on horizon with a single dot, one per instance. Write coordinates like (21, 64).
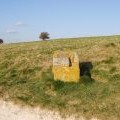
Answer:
(1, 41)
(44, 35)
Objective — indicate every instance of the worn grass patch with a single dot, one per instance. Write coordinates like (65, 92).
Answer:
(26, 76)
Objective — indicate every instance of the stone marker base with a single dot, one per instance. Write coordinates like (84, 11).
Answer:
(66, 66)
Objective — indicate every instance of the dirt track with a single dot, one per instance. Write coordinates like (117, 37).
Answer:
(9, 111)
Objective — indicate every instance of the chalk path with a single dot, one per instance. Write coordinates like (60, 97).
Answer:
(9, 111)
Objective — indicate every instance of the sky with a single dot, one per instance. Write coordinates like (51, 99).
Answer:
(24, 20)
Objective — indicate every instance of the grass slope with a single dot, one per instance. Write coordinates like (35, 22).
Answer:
(26, 77)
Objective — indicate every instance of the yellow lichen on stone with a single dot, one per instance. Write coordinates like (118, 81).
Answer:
(66, 66)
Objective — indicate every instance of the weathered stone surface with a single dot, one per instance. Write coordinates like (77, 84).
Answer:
(66, 66)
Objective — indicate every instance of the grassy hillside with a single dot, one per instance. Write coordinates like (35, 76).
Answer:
(26, 77)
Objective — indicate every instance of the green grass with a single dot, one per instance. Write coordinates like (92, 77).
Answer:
(26, 76)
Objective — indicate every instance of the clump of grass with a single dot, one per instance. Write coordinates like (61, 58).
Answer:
(110, 45)
(58, 84)
(115, 78)
(86, 79)
(108, 60)
(113, 69)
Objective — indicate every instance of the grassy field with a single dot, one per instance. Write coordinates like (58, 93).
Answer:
(26, 76)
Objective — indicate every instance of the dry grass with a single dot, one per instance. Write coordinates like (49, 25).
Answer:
(25, 76)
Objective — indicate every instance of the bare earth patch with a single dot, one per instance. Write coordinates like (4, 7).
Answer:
(9, 111)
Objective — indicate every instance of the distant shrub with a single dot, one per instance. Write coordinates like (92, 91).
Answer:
(1, 41)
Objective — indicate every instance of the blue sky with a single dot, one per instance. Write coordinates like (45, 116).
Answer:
(23, 20)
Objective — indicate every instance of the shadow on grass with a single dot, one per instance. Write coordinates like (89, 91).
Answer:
(85, 72)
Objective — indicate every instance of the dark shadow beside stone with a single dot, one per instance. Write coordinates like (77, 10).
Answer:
(85, 71)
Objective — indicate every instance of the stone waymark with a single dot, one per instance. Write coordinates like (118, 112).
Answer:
(66, 66)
